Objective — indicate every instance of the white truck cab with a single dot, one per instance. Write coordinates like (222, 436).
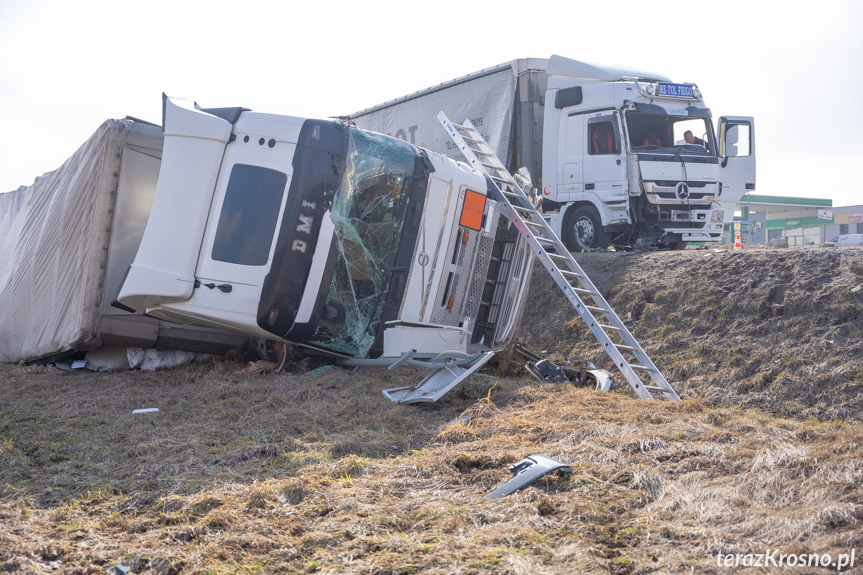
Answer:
(631, 157)
(315, 232)
(608, 148)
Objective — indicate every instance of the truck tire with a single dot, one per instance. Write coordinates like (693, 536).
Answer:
(583, 227)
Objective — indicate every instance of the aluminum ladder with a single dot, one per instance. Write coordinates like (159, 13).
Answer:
(609, 330)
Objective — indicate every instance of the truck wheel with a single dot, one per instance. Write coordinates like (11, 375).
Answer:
(583, 227)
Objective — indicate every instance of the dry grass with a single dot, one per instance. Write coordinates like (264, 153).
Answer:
(264, 474)
(243, 474)
(744, 328)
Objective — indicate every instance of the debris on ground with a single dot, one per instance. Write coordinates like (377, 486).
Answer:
(526, 471)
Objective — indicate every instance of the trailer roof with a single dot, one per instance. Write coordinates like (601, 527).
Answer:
(554, 66)
(518, 67)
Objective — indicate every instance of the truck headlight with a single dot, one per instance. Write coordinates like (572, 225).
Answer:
(718, 216)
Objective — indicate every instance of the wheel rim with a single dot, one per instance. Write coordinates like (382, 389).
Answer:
(584, 231)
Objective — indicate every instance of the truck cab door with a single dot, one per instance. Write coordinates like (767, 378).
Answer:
(604, 164)
(238, 244)
(570, 162)
(736, 158)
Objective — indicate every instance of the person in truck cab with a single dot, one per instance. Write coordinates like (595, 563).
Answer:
(690, 139)
(653, 139)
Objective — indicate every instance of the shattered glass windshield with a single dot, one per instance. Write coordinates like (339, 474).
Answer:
(669, 134)
(368, 213)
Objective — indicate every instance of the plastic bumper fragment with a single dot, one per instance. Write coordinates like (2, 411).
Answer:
(526, 472)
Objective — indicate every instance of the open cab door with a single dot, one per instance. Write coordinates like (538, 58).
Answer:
(736, 159)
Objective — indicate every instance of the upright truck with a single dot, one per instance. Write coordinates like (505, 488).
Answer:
(227, 223)
(621, 157)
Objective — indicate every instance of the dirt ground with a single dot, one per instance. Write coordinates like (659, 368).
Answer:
(247, 473)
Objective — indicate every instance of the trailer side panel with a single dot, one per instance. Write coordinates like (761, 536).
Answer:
(54, 242)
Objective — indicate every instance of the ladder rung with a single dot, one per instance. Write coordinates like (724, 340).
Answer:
(655, 388)
(610, 327)
(460, 127)
(625, 347)
(644, 367)
(569, 273)
(585, 291)
(474, 140)
(546, 240)
(603, 310)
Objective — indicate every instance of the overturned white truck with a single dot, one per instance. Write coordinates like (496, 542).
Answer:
(227, 223)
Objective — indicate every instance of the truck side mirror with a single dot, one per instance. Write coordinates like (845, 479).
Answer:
(731, 135)
(734, 140)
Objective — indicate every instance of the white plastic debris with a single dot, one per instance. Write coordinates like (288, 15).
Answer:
(146, 410)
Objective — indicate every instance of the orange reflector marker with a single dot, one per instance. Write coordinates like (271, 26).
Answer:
(450, 303)
(464, 237)
(471, 213)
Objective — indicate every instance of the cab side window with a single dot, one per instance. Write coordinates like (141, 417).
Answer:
(247, 222)
(603, 137)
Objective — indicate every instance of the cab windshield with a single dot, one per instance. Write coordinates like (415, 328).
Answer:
(663, 133)
(368, 213)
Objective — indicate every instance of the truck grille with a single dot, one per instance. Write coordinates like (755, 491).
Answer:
(468, 276)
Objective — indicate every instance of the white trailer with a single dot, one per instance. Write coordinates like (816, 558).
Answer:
(620, 156)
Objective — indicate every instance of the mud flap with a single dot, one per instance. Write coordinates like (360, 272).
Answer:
(436, 384)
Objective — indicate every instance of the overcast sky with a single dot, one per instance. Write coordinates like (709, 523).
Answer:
(67, 66)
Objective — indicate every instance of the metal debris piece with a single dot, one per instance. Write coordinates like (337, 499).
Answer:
(436, 384)
(120, 570)
(546, 371)
(603, 379)
(146, 410)
(526, 472)
(856, 289)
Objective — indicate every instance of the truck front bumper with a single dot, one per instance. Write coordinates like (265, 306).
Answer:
(693, 225)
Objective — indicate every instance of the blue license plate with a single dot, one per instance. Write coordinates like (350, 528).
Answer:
(675, 90)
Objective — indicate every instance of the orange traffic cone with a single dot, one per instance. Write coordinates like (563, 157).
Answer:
(737, 243)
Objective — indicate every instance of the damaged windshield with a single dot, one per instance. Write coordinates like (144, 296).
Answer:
(669, 133)
(368, 213)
